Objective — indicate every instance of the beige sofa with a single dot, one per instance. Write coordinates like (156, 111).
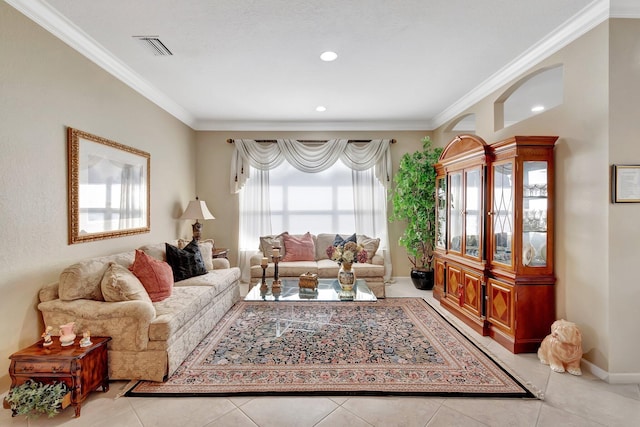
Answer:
(372, 271)
(149, 340)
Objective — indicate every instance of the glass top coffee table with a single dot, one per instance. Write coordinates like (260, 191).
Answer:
(288, 318)
(328, 290)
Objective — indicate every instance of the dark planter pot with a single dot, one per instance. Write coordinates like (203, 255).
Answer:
(422, 280)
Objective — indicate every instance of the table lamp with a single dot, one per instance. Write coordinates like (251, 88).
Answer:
(197, 209)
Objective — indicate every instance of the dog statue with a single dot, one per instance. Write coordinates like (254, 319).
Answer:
(562, 349)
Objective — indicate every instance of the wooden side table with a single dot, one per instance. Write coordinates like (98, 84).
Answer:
(220, 253)
(82, 369)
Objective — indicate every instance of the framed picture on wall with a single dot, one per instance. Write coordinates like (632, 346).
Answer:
(625, 184)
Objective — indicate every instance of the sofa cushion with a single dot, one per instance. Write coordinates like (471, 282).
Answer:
(174, 312)
(295, 269)
(156, 276)
(369, 244)
(299, 248)
(120, 284)
(82, 280)
(267, 243)
(186, 262)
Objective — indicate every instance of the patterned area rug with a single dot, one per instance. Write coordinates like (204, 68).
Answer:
(395, 346)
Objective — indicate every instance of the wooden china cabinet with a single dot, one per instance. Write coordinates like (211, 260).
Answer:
(494, 237)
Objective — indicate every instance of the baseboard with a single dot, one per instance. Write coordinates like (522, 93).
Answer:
(626, 378)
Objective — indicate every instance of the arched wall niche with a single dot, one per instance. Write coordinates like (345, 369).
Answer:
(533, 94)
(465, 123)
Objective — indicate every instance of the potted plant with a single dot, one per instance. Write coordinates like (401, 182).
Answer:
(414, 201)
(33, 399)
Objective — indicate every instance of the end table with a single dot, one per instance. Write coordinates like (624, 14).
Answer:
(220, 253)
(82, 369)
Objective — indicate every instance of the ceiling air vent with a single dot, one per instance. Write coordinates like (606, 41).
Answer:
(154, 44)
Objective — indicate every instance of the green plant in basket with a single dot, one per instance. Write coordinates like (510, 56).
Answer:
(33, 399)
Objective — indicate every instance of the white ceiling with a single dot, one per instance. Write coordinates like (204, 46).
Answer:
(254, 64)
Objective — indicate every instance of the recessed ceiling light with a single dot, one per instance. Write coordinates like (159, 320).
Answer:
(321, 108)
(328, 56)
(537, 108)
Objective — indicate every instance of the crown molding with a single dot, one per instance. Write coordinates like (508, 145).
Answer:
(51, 20)
(592, 15)
(576, 26)
(369, 125)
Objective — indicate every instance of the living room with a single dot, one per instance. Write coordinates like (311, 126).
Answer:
(47, 86)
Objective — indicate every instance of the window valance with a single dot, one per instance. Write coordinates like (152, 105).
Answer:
(309, 157)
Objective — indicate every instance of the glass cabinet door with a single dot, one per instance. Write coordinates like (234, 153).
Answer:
(473, 210)
(441, 213)
(534, 214)
(502, 213)
(455, 212)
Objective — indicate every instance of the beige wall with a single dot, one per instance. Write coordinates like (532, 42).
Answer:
(624, 227)
(213, 169)
(44, 87)
(596, 241)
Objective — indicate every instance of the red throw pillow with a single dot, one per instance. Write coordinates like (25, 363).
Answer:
(299, 248)
(156, 276)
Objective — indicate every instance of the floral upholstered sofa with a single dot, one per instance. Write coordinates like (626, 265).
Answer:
(307, 253)
(153, 328)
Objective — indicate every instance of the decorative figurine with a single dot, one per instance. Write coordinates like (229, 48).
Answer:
(46, 335)
(67, 336)
(86, 339)
(562, 349)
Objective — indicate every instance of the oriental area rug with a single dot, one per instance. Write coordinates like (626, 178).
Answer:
(395, 346)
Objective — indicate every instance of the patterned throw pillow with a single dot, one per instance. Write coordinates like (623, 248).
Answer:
(338, 241)
(120, 284)
(156, 276)
(299, 248)
(370, 245)
(206, 250)
(186, 262)
(267, 243)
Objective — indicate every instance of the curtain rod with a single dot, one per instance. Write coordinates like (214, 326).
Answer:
(312, 141)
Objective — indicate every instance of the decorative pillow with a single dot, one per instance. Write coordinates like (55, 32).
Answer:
(370, 245)
(267, 244)
(299, 248)
(339, 241)
(186, 262)
(156, 276)
(120, 284)
(206, 250)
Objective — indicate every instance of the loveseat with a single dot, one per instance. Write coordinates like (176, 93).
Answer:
(149, 339)
(307, 259)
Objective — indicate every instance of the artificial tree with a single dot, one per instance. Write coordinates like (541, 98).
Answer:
(414, 201)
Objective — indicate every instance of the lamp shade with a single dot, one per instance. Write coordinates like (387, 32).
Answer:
(197, 209)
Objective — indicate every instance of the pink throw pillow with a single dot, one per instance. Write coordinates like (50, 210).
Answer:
(156, 276)
(299, 248)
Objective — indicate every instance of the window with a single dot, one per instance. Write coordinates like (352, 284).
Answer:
(316, 202)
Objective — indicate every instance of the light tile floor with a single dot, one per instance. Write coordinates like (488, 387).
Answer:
(568, 401)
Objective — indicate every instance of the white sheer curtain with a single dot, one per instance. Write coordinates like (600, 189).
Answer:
(255, 217)
(370, 203)
(249, 176)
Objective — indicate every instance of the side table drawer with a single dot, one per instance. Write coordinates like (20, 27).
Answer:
(42, 367)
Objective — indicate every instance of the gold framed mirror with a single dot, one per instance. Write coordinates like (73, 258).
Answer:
(108, 188)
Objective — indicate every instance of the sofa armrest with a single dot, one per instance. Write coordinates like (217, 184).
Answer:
(377, 260)
(220, 263)
(256, 259)
(126, 322)
(49, 292)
